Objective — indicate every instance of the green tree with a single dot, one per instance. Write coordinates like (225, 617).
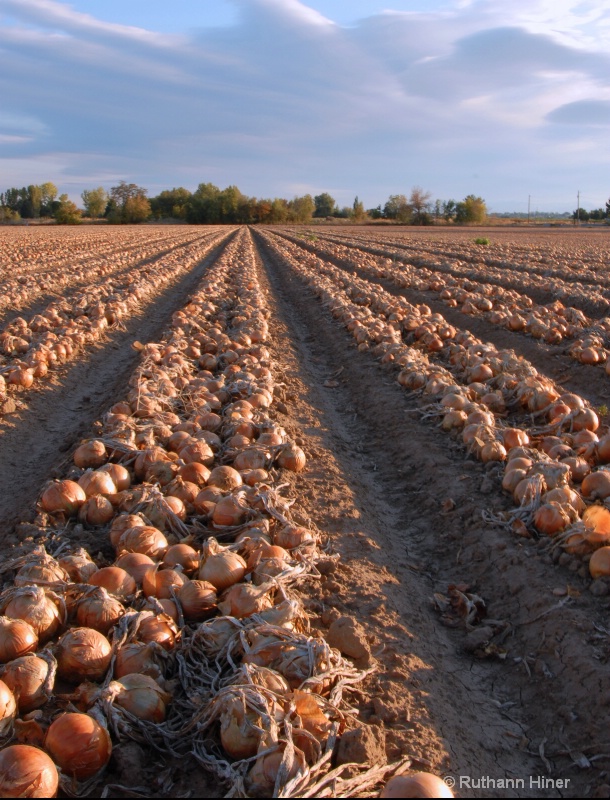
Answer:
(95, 201)
(471, 211)
(203, 205)
(449, 210)
(171, 204)
(49, 193)
(358, 213)
(324, 205)
(135, 210)
(67, 212)
(397, 207)
(302, 208)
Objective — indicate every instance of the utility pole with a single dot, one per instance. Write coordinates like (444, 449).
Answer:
(529, 197)
(578, 207)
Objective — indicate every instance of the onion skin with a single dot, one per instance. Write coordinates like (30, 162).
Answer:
(83, 654)
(79, 745)
(8, 707)
(115, 581)
(423, 784)
(599, 565)
(63, 496)
(142, 696)
(27, 772)
(17, 638)
(26, 677)
(198, 600)
(223, 569)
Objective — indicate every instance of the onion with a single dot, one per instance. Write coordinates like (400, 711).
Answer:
(194, 473)
(8, 708)
(292, 458)
(596, 484)
(98, 610)
(251, 458)
(63, 496)
(83, 654)
(225, 478)
(141, 696)
(514, 437)
(159, 628)
(78, 565)
(220, 566)
(241, 729)
(230, 510)
(261, 780)
(79, 745)
(199, 452)
(551, 518)
(96, 482)
(492, 451)
(27, 772)
(183, 490)
(147, 540)
(119, 474)
(243, 600)
(137, 657)
(599, 565)
(96, 511)
(292, 536)
(198, 600)
(90, 454)
(17, 637)
(181, 555)
(122, 523)
(585, 419)
(40, 568)
(252, 477)
(38, 608)
(136, 564)
(206, 500)
(114, 580)
(422, 784)
(26, 677)
(159, 583)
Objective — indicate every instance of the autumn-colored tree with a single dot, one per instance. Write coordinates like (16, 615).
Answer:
(471, 211)
(67, 212)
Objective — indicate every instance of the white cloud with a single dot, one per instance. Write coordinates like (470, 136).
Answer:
(287, 98)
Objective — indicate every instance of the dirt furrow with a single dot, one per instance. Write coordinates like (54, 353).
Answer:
(404, 511)
(62, 411)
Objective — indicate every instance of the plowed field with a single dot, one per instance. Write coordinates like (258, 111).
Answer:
(411, 601)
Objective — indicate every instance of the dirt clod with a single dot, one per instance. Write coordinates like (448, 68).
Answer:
(364, 745)
(349, 638)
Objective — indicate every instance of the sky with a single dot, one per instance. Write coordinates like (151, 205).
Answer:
(505, 100)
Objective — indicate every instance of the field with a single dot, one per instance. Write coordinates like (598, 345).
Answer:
(385, 451)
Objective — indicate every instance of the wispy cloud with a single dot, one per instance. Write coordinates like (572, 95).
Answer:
(287, 98)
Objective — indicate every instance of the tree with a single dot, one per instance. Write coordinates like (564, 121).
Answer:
(449, 210)
(128, 204)
(7, 214)
(135, 210)
(67, 213)
(471, 211)
(49, 193)
(302, 208)
(398, 208)
(95, 201)
(171, 204)
(608, 207)
(358, 213)
(325, 205)
(420, 202)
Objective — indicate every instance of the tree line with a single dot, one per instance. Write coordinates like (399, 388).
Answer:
(129, 203)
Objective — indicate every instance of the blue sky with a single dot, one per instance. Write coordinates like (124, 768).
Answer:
(283, 97)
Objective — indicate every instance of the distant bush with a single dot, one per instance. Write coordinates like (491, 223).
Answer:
(481, 240)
